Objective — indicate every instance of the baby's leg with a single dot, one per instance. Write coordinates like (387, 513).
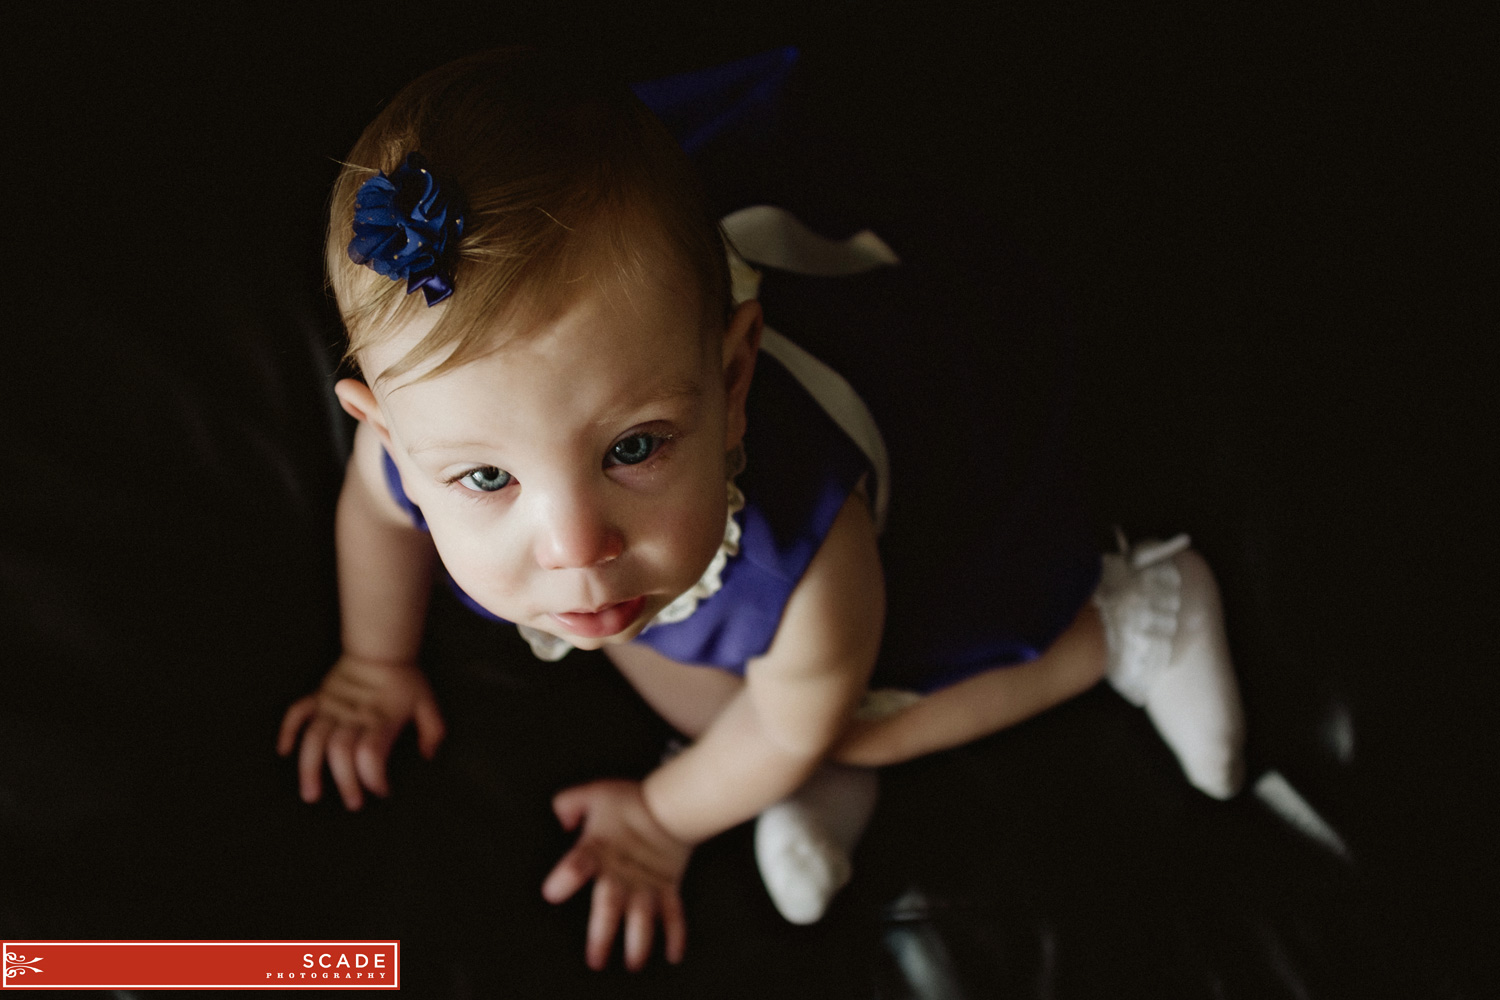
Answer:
(984, 703)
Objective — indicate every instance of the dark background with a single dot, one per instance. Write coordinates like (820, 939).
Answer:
(1269, 226)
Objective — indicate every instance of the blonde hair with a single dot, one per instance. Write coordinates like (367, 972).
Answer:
(556, 166)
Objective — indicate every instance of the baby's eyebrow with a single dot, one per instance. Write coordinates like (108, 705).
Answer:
(421, 446)
(689, 388)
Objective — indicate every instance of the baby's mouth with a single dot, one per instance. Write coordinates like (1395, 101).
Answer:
(611, 619)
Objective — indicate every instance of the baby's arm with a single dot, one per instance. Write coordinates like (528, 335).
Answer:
(769, 736)
(797, 698)
(385, 568)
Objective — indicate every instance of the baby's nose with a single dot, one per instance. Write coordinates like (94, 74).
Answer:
(576, 535)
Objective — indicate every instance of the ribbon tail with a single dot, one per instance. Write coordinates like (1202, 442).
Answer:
(435, 287)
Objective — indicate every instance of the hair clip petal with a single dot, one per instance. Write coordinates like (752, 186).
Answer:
(407, 226)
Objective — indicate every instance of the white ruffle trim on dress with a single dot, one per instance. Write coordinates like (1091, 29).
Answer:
(545, 645)
(1139, 597)
(551, 648)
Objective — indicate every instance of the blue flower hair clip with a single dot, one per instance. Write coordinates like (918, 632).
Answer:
(407, 225)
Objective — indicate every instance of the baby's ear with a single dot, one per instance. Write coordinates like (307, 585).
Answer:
(360, 403)
(741, 345)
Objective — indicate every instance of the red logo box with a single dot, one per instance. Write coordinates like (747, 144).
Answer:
(212, 965)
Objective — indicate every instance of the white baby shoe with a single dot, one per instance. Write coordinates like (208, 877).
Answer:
(1164, 624)
(803, 843)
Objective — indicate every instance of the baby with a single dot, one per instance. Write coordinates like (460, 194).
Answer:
(565, 422)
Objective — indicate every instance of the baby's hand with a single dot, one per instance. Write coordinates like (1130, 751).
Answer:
(636, 866)
(352, 720)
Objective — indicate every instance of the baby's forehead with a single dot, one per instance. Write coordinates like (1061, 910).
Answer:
(603, 310)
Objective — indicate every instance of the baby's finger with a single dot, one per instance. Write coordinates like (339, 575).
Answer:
(673, 927)
(430, 728)
(570, 874)
(370, 756)
(296, 717)
(640, 927)
(604, 920)
(310, 760)
(341, 764)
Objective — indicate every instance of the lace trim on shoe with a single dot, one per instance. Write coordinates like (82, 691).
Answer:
(1139, 596)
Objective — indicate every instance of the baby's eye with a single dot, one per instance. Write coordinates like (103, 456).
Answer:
(634, 449)
(485, 479)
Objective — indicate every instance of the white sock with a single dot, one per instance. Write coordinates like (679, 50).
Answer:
(1164, 622)
(803, 843)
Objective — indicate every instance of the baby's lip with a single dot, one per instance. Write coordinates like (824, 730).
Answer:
(605, 620)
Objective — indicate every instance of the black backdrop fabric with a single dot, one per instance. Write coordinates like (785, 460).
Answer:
(1270, 230)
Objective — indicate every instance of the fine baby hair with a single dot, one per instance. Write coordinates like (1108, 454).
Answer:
(589, 430)
(551, 162)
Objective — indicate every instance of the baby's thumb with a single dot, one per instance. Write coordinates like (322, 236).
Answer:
(570, 806)
(430, 727)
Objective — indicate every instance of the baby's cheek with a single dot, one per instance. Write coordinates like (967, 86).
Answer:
(484, 573)
(698, 530)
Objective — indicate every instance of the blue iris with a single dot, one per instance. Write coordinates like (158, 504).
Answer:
(634, 449)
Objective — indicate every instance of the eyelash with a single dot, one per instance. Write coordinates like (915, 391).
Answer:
(658, 442)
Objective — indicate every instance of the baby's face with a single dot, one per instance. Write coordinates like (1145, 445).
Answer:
(573, 479)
